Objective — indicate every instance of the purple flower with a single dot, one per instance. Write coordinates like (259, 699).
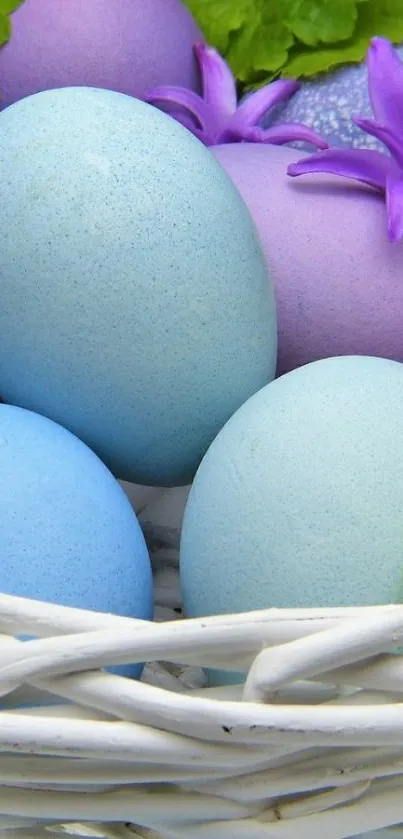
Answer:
(384, 172)
(215, 117)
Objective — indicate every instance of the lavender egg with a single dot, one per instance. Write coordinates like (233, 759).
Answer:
(328, 103)
(338, 280)
(125, 45)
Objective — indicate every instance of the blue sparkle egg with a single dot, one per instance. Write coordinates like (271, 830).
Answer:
(136, 306)
(328, 103)
(68, 534)
(298, 502)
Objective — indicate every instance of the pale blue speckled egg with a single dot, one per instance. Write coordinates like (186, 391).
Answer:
(136, 307)
(328, 103)
(68, 533)
(298, 502)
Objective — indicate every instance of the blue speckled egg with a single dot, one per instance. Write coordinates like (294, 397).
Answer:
(298, 502)
(68, 534)
(136, 307)
(328, 102)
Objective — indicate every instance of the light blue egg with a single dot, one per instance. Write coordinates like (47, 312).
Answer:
(298, 502)
(135, 303)
(68, 534)
(392, 832)
(328, 103)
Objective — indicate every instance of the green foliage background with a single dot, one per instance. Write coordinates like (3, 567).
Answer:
(6, 7)
(265, 39)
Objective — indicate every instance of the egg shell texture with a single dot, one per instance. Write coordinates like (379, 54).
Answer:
(68, 534)
(136, 306)
(328, 104)
(125, 45)
(338, 280)
(298, 502)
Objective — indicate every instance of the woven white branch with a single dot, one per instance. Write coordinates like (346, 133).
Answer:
(311, 746)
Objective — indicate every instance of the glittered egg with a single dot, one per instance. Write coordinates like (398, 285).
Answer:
(124, 45)
(328, 104)
(136, 306)
(68, 534)
(338, 280)
(298, 502)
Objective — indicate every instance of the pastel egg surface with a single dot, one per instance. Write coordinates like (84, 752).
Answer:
(328, 104)
(136, 305)
(338, 280)
(125, 45)
(68, 534)
(298, 502)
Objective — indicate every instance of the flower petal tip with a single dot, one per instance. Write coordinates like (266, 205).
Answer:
(393, 237)
(218, 84)
(291, 132)
(394, 206)
(395, 233)
(293, 170)
(379, 41)
(379, 49)
(294, 84)
(200, 48)
(319, 141)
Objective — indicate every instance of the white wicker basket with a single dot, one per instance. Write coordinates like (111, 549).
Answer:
(310, 747)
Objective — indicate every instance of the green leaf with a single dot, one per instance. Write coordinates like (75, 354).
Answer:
(321, 21)
(6, 8)
(219, 18)
(261, 44)
(5, 29)
(262, 39)
(375, 17)
(9, 6)
(251, 34)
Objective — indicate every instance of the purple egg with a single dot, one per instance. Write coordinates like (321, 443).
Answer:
(338, 280)
(126, 45)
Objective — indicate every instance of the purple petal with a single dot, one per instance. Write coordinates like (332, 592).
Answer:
(394, 207)
(172, 97)
(385, 135)
(289, 132)
(369, 167)
(219, 89)
(188, 122)
(385, 84)
(254, 107)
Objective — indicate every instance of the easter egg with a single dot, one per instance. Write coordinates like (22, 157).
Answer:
(136, 304)
(298, 501)
(328, 103)
(68, 534)
(124, 45)
(338, 280)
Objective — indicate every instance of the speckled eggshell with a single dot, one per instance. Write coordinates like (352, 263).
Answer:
(136, 306)
(338, 280)
(298, 502)
(328, 103)
(68, 534)
(124, 45)
(392, 832)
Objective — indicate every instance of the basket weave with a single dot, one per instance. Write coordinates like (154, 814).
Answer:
(309, 747)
